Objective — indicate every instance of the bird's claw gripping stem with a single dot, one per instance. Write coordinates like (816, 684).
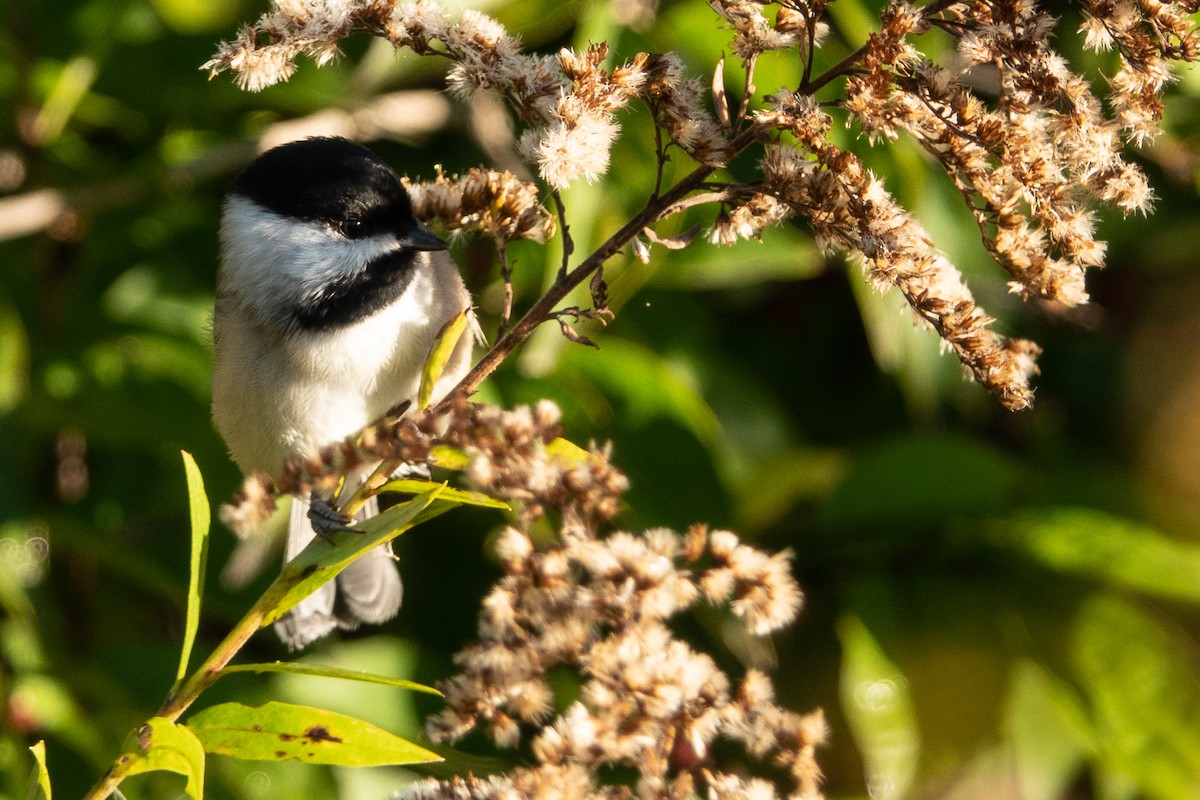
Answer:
(326, 519)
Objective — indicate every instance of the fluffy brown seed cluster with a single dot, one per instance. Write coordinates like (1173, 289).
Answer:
(648, 702)
(499, 204)
(1031, 166)
(510, 455)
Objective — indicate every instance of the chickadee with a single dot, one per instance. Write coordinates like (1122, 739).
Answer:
(329, 297)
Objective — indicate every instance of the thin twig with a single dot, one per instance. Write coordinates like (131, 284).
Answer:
(724, 195)
(810, 30)
(833, 73)
(660, 154)
(844, 66)
(748, 88)
(506, 273)
(568, 244)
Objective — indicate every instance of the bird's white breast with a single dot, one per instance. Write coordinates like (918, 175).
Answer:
(275, 394)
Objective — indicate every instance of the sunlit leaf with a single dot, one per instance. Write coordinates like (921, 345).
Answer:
(74, 81)
(1098, 545)
(322, 560)
(296, 668)
(902, 349)
(466, 498)
(280, 731)
(140, 296)
(46, 699)
(449, 457)
(164, 746)
(197, 16)
(14, 358)
(880, 711)
(1143, 692)
(439, 355)
(200, 523)
(568, 451)
(39, 783)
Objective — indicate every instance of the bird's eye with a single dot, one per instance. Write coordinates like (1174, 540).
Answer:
(353, 227)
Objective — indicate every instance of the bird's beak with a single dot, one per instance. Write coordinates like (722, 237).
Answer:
(421, 239)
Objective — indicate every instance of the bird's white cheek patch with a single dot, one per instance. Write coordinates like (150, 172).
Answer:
(272, 261)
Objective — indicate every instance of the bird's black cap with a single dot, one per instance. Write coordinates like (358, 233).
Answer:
(332, 180)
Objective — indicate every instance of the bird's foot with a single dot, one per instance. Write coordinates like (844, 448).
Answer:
(326, 519)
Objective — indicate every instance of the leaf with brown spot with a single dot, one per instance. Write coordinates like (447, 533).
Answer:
(164, 746)
(279, 731)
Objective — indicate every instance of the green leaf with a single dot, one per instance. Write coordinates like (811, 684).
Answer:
(1049, 731)
(164, 746)
(330, 672)
(196, 16)
(201, 516)
(1141, 684)
(322, 560)
(904, 350)
(462, 496)
(14, 358)
(439, 355)
(880, 711)
(568, 451)
(39, 783)
(449, 457)
(73, 83)
(1098, 545)
(279, 731)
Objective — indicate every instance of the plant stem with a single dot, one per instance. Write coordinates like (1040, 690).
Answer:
(658, 207)
(506, 273)
(836, 71)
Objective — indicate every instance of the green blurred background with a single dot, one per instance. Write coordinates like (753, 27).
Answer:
(1000, 605)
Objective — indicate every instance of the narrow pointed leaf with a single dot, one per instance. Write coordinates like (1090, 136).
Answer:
(201, 521)
(330, 672)
(1109, 548)
(439, 355)
(416, 486)
(322, 560)
(164, 746)
(879, 709)
(39, 784)
(280, 731)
